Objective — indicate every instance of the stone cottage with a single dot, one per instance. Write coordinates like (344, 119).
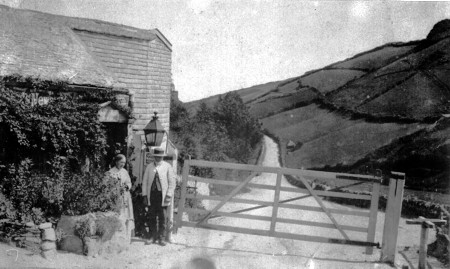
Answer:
(88, 55)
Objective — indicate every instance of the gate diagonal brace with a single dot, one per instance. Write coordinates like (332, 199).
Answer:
(228, 197)
(324, 208)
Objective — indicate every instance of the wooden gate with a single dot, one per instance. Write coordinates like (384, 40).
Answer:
(277, 203)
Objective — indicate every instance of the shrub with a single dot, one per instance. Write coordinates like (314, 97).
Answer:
(84, 228)
(103, 227)
(106, 227)
(7, 210)
(58, 193)
(91, 192)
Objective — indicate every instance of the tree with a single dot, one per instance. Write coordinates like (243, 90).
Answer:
(242, 129)
(226, 132)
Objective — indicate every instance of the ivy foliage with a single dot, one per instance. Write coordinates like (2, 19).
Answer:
(66, 126)
(44, 148)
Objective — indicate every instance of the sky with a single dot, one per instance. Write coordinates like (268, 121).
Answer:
(224, 45)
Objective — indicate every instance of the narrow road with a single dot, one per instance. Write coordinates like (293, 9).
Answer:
(234, 250)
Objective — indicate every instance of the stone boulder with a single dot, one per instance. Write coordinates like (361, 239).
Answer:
(98, 239)
(71, 243)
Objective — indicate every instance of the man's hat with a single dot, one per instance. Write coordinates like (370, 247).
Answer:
(158, 152)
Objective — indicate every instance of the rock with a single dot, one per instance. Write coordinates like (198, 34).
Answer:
(92, 246)
(47, 245)
(32, 234)
(49, 235)
(33, 239)
(71, 243)
(49, 254)
(33, 248)
(67, 224)
(30, 224)
(33, 230)
(45, 225)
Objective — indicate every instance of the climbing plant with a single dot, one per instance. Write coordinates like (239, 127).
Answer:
(44, 147)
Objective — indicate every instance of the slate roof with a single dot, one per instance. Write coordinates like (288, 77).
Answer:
(40, 45)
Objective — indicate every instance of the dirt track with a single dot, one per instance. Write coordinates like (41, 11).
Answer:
(232, 250)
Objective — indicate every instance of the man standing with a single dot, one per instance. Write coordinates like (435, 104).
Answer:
(158, 186)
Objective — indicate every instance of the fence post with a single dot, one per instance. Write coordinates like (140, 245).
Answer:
(426, 225)
(392, 217)
(170, 208)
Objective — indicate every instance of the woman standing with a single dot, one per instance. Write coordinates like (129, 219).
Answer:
(126, 211)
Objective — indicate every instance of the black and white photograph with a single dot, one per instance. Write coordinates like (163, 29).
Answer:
(216, 134)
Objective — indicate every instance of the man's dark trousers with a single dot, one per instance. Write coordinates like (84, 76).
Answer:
(157, 214)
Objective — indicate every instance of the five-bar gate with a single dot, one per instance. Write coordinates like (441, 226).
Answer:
(278, 203)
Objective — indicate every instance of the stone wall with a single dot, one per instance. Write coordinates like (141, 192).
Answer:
(143, 66)
(39, 239)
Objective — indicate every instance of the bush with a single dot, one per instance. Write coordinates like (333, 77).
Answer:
(106, 227)
(7, 210)
(84, 228)
(91, 192)
(36, 197)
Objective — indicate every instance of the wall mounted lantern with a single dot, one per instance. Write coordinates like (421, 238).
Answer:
(154, 132)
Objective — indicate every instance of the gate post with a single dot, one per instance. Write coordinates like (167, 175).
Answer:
(182, 201)
(392, 217)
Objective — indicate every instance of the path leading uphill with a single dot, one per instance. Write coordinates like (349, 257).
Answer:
(233, 250)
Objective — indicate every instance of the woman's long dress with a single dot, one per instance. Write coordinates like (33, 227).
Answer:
(126, 211)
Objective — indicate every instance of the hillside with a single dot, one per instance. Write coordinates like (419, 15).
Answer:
(380, 109)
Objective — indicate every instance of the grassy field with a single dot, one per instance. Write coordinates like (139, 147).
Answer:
(348, 145)
(247, 94)
(375, 59)
(413, 87)
(364, 89)
(313, 120)
(329, 139)
(290, 87)
(330, 79)
(275, 105)
(417, 98)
